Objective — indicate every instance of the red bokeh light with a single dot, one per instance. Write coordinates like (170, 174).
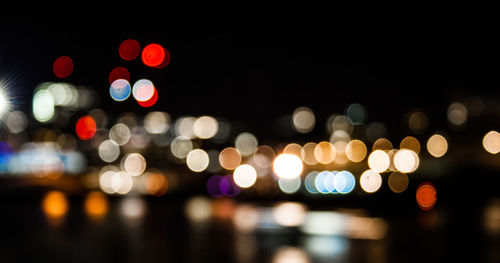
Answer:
(63, 67)
(119, 73)
(151, 101)
(153, 55)
(426, 196)
(129, 49)
(166, 60)
(86, 127)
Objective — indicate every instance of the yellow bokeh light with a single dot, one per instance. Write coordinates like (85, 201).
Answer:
(437, 145)
(457, 113)
(382, 144)
(370, 181)
(287, 166)
(491, 142)
(325, 152)
(410, 143)
(245, 176)
(356, 151)
(230, 158)
(55, 204)
(398, 182)
(197, 160)
(96, 205)
(379, 161)
(406, 161)
(307, 153)
(293, 148)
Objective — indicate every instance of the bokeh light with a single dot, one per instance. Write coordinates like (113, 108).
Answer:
(96, 205)
(129, 49)
(293, 148)
(120, 90)
(121, 182)
(85, 127)
(289, 214)
(143, 90)
(134, 164)
(197, 160)
(370, 181)
(150, 102)
(406, 161)
(382, 144)
(287, 166)
(344, 182)
(16, 122)
(43, 106)
(246, 143)
(457, 113)
(411, 143)
(108, 151)
(119, 133)
(181, 146)
(205, 127)
(356, 113)
(437, 145)
(379, 161)
(155, 183)
(398, 182)
(245, 176)
(184, 127)
(157, 122)
(290, 254)
(426, 196)
(303, 120)
(263, 156)
(418, 122)
(230, 158)
(63, 67)
(325, 152)
(491, 142)
(198, 209)
(307, 153)
(118, 73)
(356, 151)
(55, 205)
(289, 186)
(153, 55)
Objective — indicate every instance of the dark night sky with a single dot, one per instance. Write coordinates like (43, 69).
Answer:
(390, 58)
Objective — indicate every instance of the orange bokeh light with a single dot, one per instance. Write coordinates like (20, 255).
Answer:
(55, 204)
(96, 205)
(86, 127)
(426, 196)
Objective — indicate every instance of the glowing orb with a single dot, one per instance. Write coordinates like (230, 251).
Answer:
(86, 127)
(120, 90)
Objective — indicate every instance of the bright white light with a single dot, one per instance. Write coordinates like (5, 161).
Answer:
(197, 160)
(245, 176)
(43, 106)
(287, 166)
(4, 103)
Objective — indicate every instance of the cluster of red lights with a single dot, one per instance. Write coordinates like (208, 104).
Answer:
(153, 55)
